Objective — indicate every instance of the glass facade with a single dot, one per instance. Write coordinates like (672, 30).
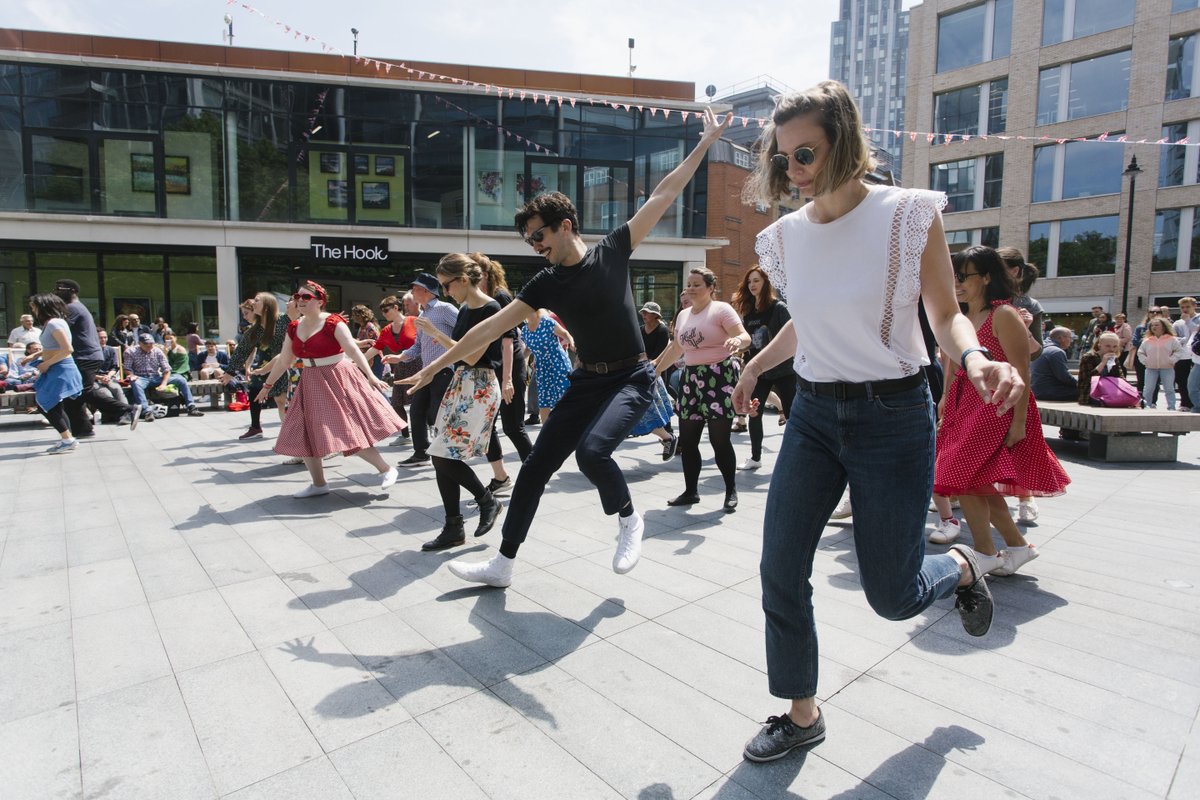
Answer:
(1063, 20)
(1084, 88)
(78, 140)
(1181, 66)
(1076, 169)
(1176, 233)
(972, 110)
(1172, 160)
(963, 35)
(959, 180)
(1070, 247)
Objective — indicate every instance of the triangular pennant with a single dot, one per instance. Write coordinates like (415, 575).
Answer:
(912, 135)
(949, 138)
(929, 137)
(745, 121)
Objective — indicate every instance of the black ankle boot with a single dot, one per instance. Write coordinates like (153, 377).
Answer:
(452, 535)
(489, 509)
(731, 501)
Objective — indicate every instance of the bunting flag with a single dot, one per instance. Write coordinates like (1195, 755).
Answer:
(931, 137)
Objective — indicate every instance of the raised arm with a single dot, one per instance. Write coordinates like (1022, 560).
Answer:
(474, 342)
(669, 187)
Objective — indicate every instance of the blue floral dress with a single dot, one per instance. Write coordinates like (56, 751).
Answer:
(552, 364)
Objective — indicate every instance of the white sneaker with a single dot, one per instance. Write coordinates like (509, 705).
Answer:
(292, 462)
(312, 490)
(1014, 559)
(946, 531)
(629, 543)
(750, 463)
(843, 510)
(1027, 512)
(389, 478)
(329, 456)
(497, 572)
(954, 503)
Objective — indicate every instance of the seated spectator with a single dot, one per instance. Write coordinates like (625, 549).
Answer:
(1103, 359)
(137, 327)
(1049, 378)
(146, 367)
(107, 377)
(24, 333)
(123, 334)
(177, 356)
(211, 362)
(24, 372)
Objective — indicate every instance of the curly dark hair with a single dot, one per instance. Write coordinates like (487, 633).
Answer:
(553, 208)
(985, 260)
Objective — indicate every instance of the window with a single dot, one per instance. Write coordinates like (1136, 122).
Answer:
(988, 237)
(1063, 20)
(973, 110)
(1094, 86)
(1176, 240)
(958, 180)
(741, 158)
(1181, 67)
(1076, 169)
(1069, 247)
(974, 35)
(1183, 5)
(1179, 166)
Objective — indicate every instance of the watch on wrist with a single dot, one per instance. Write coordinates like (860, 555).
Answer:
(962, 362)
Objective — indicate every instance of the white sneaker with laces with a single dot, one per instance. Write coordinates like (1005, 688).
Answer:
(496, 572)
(946, 531)
(843, 510)
(1014, 559)
(292, 462)
(389, 478)
(750, 463)
(1027, 512)
(629, 543)
(312, 490)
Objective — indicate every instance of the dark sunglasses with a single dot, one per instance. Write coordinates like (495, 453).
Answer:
(384, 309)
(961, 277)
(303, 298)
(446, 285)
(803, 155)
(536, 236)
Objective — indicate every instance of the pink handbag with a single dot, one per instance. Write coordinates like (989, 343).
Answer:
(1113, 392)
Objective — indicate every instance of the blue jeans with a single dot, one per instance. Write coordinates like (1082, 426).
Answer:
(1154, 377)
(140, 384)
(883, 446)
(1194, 387)
(596, 414)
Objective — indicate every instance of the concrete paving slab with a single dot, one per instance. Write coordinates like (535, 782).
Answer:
(198, 629)
(316, 778)
(41, 756)
(105, 586)
(117, 649)
(404, 760)
(38, 670)
(269, 612)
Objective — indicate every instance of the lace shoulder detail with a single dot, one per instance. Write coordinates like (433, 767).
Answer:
(914, 217)
(769, 247)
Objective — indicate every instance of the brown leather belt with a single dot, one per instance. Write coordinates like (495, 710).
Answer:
(850, 391)
(605, 367)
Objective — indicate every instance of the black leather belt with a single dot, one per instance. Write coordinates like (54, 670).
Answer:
(605, 367)
(851, 391)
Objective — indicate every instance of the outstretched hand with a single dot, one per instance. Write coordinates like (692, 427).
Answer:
(714, 127)
(997, 383)
(416, 381)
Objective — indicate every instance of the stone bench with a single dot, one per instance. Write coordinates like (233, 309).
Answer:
(213, 390)
(18, 401)
(1123, 434)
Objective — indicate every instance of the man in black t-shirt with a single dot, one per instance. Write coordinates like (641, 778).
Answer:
(89, 357)
(589, 289)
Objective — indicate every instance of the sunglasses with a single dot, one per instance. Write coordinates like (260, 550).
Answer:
(446, 285)
(961, 277)
(536, 236)
(803, 155)
(385, 309)
(303, 298)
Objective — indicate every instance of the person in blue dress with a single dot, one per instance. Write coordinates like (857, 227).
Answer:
(59, 381)
(542, 335)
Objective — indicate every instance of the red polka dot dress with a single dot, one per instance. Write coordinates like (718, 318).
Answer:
(971, 456)
(334, 409)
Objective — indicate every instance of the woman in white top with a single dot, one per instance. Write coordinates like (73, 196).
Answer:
(862, 413)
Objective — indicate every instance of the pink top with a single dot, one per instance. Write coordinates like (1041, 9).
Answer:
(321, 344)
(702, 336)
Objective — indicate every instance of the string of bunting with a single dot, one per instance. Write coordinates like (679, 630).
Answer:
(561, 99)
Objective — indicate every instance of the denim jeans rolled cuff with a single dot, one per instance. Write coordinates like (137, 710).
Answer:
(883, 446)
(594, 416)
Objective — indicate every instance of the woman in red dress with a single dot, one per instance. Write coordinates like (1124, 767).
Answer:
(981, 458)
(336, 408)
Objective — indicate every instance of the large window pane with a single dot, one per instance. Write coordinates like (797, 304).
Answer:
(1049, 87)
(14, 274)
(1043, 173)
(1053, 19)
(127, 177)
(1039, 243)
(194, 163)
(1002, 29)
(1170, 163)
(1099, 85)
(260, 191)
(957, 180)
(61, 174)
(1166, 240)
(1181, 55)
(960, 38)
(1087, 246)
(1183, 5)
(191, 294)
(139, 290)
(1094, 16)
(12, 157)
(957, 111)
(993, 181)
(997, 121)
(1091, 169)
(1194, 253)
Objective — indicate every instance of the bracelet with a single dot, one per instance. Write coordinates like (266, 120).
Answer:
(962, 362)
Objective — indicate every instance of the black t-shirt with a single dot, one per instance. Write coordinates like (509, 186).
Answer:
(84, 341)
(593, 299)
(470, 317)
(763, 325)
(656, 341)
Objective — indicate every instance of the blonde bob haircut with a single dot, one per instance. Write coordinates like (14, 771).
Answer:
(849, 154)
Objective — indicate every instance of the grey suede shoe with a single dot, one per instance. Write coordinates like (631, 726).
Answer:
(973, 601)
(780, 736)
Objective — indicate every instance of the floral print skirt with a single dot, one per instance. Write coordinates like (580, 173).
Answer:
(706, 390)
(468, 411)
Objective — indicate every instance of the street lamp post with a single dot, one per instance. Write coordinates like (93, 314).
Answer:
(1132, 171)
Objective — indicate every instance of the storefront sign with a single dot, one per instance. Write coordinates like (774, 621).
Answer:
(328, 250)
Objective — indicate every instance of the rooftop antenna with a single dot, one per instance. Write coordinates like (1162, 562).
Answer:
(227, 36)
(355, 32)
(632, 66)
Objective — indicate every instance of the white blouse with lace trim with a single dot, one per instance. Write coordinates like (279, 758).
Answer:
(853, 284)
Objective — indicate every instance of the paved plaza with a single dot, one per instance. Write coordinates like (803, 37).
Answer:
(174, 625)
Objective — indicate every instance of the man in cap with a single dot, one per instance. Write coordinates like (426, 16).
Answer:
(655, 339)
(89, 357)
(423, 403)
(146, 366)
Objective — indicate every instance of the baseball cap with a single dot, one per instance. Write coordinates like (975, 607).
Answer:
(145, 338)
(67, 283)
